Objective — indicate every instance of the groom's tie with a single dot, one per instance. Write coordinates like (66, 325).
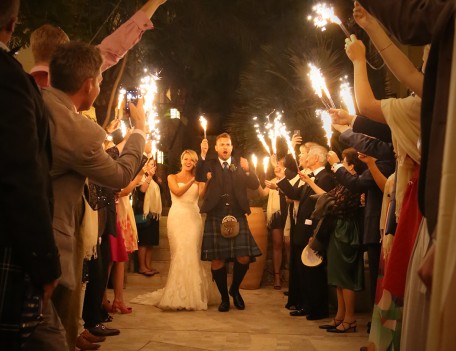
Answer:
(225, 166)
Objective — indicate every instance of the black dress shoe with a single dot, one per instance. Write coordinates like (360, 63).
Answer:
(299, 313)
(101, 330)
(316, 316)
(224, 306)
(237, 300)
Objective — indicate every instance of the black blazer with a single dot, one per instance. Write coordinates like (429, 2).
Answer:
(26, 201)
(302, 231)
(372, 128)
(241, 181)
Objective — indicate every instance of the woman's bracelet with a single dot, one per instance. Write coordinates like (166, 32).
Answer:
(386, 47)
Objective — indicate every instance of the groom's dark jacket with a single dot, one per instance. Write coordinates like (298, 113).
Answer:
(215, 187)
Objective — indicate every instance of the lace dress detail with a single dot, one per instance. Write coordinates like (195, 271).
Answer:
(189, 285)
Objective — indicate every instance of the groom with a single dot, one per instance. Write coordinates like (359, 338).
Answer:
(226, 195)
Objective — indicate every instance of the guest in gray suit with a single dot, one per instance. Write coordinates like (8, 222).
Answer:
(78, 153)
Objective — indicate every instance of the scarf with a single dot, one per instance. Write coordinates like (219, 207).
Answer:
(273, 204)
(152, 201)
(89, 231)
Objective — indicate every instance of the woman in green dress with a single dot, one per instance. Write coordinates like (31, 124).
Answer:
(344, 256)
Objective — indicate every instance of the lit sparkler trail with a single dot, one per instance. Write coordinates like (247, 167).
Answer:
(120, 99)
(324, 14)
(123, 128)
(149, 89)
(254, 161)
(319, 85)
(347, 97)
(265, 164)
(327, 124)
(260, 136)
(203, 122)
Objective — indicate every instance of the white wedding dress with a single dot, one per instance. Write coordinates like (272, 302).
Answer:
(189, 285)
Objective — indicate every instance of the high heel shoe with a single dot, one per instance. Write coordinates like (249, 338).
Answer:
(120, 306)
(346, 328)
(331, 326)
(277, 286)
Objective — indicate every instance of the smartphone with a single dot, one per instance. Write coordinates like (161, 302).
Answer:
(297, 132)
(132, 95)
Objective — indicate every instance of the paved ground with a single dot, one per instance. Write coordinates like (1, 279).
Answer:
(265, 325)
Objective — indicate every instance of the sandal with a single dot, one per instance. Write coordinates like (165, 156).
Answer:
(347, 327)
(336, 323)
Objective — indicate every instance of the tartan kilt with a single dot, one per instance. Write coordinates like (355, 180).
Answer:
(216, 247)
(12, 291)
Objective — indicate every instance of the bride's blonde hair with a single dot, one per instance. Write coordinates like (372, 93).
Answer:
(192, 155)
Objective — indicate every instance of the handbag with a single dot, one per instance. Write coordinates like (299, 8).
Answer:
(311, 256)
(229, 228)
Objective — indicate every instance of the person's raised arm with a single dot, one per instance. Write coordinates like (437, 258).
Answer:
(378, 176)
(305, 178)
(129, 188)
(202, 186)
(367, 104)
(175, 188)
(398, 63)
(151, 6)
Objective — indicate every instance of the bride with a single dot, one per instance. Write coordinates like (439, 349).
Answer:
(189, 286)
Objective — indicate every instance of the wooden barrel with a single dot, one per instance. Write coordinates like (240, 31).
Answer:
(257, 225)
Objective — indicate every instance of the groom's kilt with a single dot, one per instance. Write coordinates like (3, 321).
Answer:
(216, 247)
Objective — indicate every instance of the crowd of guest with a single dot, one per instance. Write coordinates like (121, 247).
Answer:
(379, 196)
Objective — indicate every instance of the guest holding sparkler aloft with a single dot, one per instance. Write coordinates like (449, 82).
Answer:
(308, 285)
(227, 236)
(402, 115)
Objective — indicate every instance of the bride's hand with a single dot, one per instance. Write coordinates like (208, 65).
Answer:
(209, 176)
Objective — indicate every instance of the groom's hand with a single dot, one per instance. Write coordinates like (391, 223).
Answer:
(204, 148)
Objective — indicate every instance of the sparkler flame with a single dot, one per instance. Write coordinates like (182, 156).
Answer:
(265, 164)
(319, 86)
(327, 124)
(324, 14)
(254, 161)
(203, 122)
(347, 97)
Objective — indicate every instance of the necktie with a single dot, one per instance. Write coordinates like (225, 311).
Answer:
(225, 166)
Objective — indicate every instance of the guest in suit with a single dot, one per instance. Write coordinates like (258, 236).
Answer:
(311, 288)
(28, 252)
(77, 147)
(226, 194)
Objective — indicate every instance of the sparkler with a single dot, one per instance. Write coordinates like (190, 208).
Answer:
(254, 161)
(265, 164)
(324, 14)
(123, 128)
(120, 99)
(346, 96)
(149, 89)
(260, 136)
(327, 124)
(319, 86)
(203, 122)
